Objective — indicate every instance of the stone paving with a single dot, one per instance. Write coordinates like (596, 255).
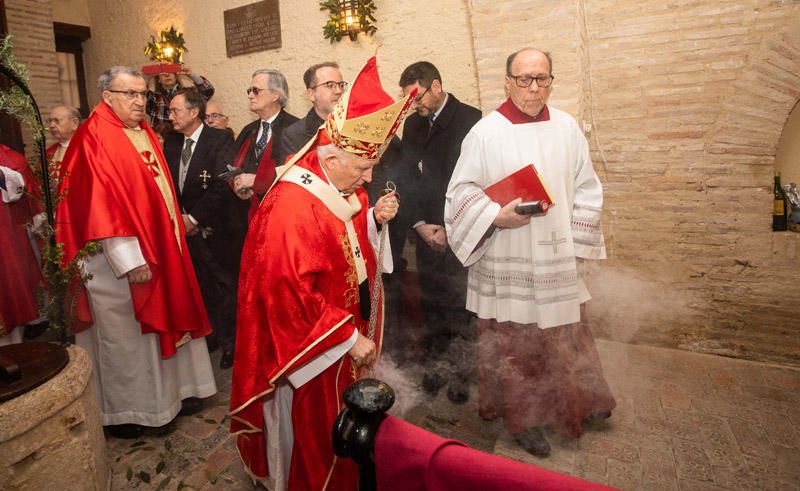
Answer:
(684, 421)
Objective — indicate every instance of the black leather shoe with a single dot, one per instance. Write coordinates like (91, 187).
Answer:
(127, 431)
(33, 331)
(227, 359)
(432, 382)
(190, 405)
(534, 442)
(458, 390)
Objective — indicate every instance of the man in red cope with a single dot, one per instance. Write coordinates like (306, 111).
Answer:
(19, 268)
(304, 297)
(144, 310)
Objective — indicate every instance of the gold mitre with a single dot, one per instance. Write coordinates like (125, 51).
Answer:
(366, 118)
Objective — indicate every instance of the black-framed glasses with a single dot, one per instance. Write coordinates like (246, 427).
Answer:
(331, 85)
(524, 81)
(255, 90)
(130, 94)
(419, 97)
(216, 116)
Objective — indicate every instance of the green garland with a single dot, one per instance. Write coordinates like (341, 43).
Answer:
(168, 38)
(333, 29)
(61, 282)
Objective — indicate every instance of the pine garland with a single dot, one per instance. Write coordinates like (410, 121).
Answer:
(333, 29)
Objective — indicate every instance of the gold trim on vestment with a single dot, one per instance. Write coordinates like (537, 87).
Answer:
(289, 364)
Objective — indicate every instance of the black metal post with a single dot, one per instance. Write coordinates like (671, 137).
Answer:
(354, 430)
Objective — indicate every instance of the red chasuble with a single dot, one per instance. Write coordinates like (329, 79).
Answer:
(110, 191)
(19, 269)
(298, 297)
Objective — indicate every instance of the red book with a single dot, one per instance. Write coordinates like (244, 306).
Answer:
(161, 68)
(525, 183)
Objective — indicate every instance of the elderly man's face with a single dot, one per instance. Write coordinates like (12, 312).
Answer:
(215, 117)
(184, 119)
(127, 98)
(266, 98)
(349, 173)
(325, 95)
(529, 100)
(62, 124)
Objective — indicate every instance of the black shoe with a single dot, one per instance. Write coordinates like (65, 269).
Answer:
(534, 442)
(33, 331)
(227, 359)
(127, 431)
(458, 390)
(432, 382)
(190, 405)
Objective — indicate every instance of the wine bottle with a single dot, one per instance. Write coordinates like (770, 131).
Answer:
(779, 222)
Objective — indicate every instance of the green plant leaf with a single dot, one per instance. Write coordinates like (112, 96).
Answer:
(129, 473)
(160, 467)
(144, 477)
(163, 483)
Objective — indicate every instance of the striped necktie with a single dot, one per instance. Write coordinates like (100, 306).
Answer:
(261, 144)
(186, 156)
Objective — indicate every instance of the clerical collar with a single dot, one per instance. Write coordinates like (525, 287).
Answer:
(439, 111)
(65, 144)
(512, 113)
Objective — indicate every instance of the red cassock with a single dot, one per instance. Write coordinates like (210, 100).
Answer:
(19, 269)
(298, 297)
(408, 457)
(109, 191)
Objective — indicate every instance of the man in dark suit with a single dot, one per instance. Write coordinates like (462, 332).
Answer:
(431, 146)
(324, 87)
(192, 153)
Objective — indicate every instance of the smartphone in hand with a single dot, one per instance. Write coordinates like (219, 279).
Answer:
(533, 208)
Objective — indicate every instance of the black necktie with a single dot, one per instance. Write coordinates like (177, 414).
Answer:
(261, 144)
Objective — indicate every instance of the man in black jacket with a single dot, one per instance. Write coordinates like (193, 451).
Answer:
(431, 147)
(192, 153)
(324, 87)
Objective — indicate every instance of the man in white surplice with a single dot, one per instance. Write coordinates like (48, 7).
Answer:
(538, 363)
(146, 316)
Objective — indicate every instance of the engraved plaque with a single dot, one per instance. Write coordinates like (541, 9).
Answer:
(251, 28)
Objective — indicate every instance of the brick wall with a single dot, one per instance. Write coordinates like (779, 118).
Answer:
(31, 24)
(687, 101)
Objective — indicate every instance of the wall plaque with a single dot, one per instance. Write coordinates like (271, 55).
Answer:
(251, 28)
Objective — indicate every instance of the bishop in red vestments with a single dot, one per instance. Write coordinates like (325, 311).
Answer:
(19, 268)
(304, 298)
(144, 306)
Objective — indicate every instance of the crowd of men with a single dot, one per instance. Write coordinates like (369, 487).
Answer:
(266, 247)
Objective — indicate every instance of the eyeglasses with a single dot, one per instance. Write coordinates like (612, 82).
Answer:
(255, 90)
(331, 85)
(59, 120)
(419, 97)
(216, 116)
(524, 81)
(130, 94)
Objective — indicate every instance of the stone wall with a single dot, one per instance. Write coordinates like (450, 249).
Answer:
(407, 32)
(686, 102)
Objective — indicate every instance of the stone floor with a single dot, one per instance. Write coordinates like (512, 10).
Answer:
(684, 422)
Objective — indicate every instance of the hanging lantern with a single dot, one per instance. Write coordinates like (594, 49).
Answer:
(348, 17)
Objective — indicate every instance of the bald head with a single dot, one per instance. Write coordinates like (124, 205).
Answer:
(529, 52)
(528, 80)
(63, 122)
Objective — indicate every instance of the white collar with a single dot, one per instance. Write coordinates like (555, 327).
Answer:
(196, 135)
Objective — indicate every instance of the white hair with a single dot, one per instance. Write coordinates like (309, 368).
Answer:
(108, 76)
